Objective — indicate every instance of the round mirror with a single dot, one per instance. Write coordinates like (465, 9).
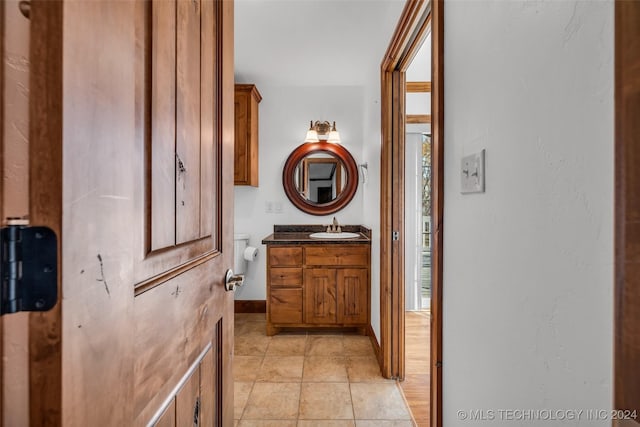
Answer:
(320, 178)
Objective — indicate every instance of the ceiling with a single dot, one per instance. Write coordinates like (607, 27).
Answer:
(312, 42)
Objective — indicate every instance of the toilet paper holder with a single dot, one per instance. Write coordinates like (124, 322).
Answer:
(232, 281)
(250, 253)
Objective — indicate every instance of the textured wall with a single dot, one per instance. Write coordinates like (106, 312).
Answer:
(528, 308)
(15, 201)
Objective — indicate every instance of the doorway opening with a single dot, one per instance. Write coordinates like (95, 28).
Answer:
(417, 232)
(418, 240)
(401, 270)
(418, 181)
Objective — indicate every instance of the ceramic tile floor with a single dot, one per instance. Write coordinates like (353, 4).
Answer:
(310, 379)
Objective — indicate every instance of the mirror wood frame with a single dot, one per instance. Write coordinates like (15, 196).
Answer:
(351, 177)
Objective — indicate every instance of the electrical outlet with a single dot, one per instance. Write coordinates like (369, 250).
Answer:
(268, 207)
(277, 207)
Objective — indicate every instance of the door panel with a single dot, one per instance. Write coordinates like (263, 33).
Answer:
(168, 418)
(184, 127)
(353, 296)
(320, 295)
(188, 121)
(207, 390)
(125, 348)
(163, 127)
(168, 340)
(208, 140)
(187, 399)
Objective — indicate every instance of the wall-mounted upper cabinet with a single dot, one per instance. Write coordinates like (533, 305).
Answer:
(246, 146)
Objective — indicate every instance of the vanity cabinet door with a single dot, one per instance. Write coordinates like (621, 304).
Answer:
(320, 292)
(353, 296)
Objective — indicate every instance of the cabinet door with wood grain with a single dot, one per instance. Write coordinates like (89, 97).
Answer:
(320, 293)
(353, 296)
(246, 134)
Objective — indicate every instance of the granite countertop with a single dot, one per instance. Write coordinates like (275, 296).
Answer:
(291, 234)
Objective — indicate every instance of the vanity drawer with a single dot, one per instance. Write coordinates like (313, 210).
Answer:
(333, 255)
(285, 305)
(285, 277)
(284, 256)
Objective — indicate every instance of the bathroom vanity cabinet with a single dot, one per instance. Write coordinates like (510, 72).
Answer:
(318, 284)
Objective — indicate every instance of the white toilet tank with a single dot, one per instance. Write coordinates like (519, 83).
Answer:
(240, 243)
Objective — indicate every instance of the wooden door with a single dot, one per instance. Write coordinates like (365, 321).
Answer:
(320, 292)
(131, 163)
(353, 296)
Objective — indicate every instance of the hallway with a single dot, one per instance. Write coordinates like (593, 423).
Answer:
(310, 379)
(416, 384)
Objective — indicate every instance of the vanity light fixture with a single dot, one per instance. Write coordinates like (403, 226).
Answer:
(312, 134)
(322, 131)
(334, 136)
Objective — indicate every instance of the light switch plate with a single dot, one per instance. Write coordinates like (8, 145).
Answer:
(472, 173)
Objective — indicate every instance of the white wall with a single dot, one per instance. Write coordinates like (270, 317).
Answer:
(419, 70)
(312, 60)
(528, 271)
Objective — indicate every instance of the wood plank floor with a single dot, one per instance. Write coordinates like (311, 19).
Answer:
(416, 383)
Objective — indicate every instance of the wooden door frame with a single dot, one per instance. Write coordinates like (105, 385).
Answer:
(45, 202)
(2, 55)
(627, 208)
(408, 36)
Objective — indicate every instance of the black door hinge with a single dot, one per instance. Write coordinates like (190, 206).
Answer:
(28, 269)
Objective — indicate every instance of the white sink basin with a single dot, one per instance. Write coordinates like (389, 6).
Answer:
(325, 235)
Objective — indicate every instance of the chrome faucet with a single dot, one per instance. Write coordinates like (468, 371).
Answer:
(335, 227)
